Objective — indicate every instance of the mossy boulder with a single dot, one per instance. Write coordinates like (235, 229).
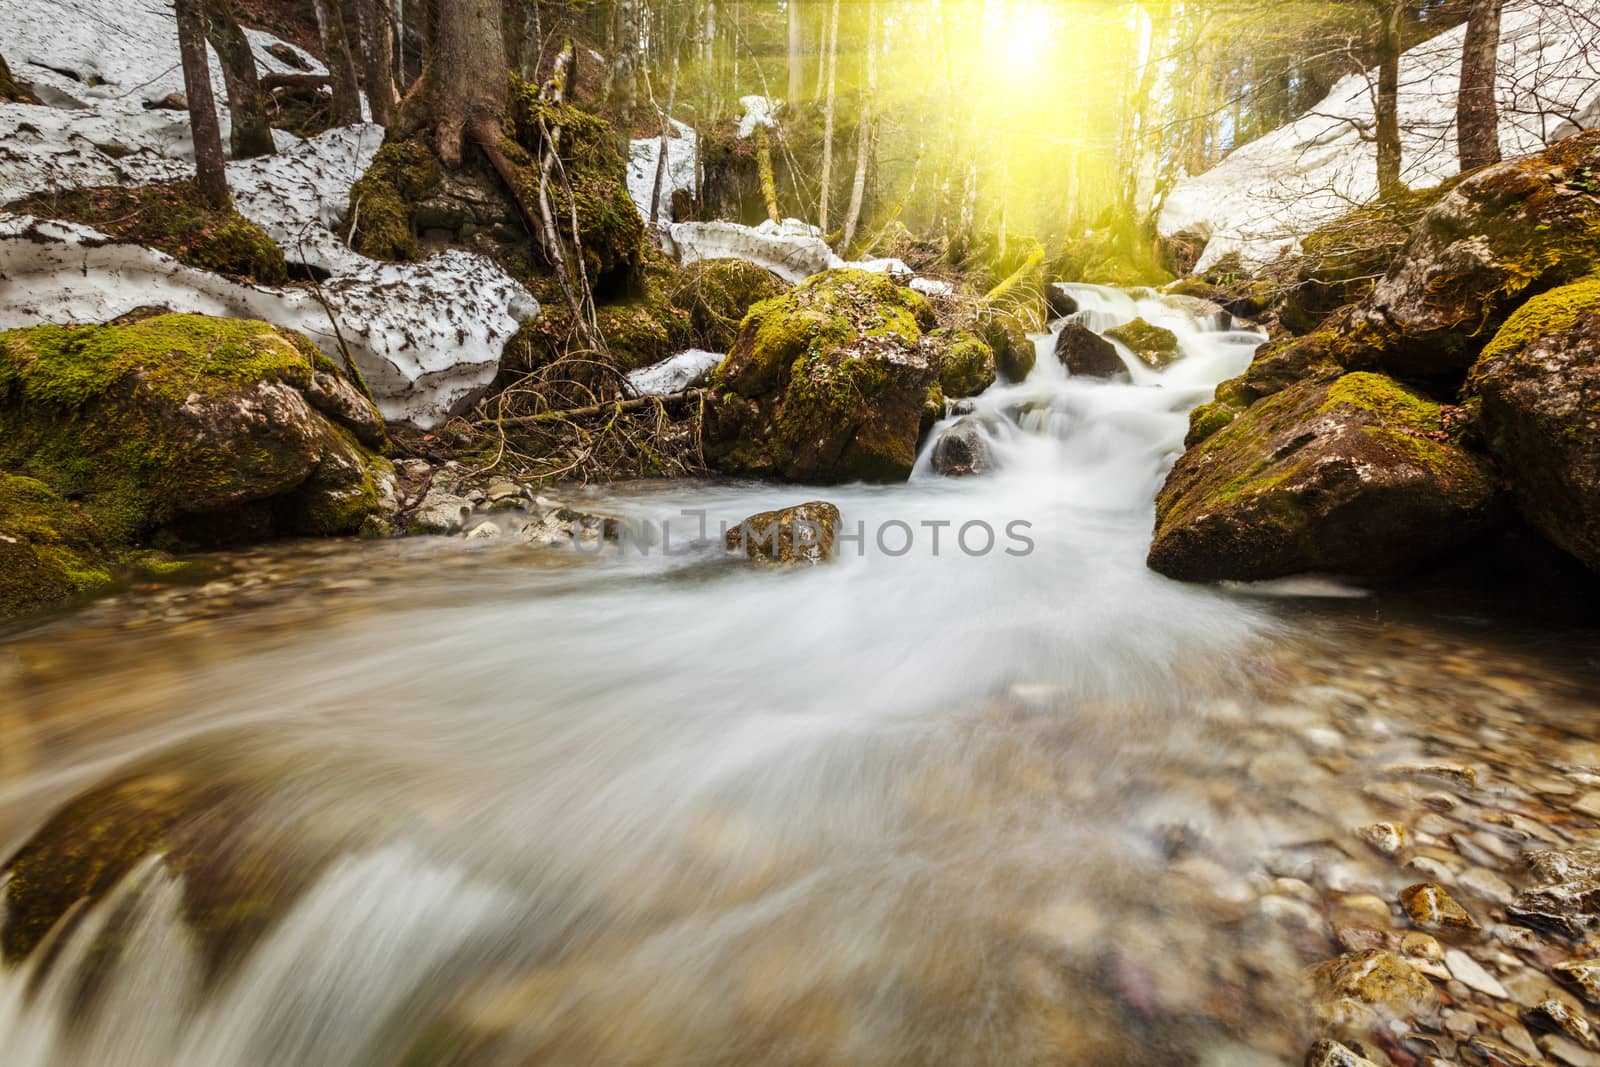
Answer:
(716, 294)
(1537, 389)
(1086, 354)
(1358, 476)
(200, 429)
(803, 534)
(1015, 354)
(50, 551)
(1517, 227)
(826, 384)
(173, 218)
(1154, 346)
(967, 364)
(403, 174)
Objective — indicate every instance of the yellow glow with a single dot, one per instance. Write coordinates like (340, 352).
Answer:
(1025, 39)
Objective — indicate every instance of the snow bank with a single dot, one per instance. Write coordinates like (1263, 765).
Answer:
(426, 336)
(1272, 191)
(100, 64)
(674, 375)
(682, 174)
(794, 251)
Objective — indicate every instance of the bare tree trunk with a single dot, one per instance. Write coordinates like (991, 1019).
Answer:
(1390, 47)
(341, 64)
(250, 134)
(377, 59)
(769, 185)
(211, 175)
(666, 143)
(532, 40)
(468, 83)
(858, 189)
(829, 107)
(1477, 114)
(797, 74)
(625, 61)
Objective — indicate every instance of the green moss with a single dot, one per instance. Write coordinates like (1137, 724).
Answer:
(1385, 398)
(717, 294)
(49, 550)
(382, 202)
(968, 367)
(118, 417)
(1155, 346)
(170, 217)
(1554, 312)
(1207, 419)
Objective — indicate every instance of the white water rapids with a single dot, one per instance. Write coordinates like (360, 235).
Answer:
(651, 810)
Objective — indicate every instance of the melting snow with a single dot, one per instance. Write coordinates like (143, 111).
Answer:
(1272, 191)
(682, 169)
(676, 374)
(427, 336)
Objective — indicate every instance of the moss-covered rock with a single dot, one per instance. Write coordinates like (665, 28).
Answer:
(205, 429)
(402, 175)
(173, 218)
(50, 551)
(716, 294)
(1014, 351)
(1086, 354)
(1154, 346)
(1356, 476)
(967, 364)
(803, 534)
(1517, 227)
(1537, 389)
(827, 383)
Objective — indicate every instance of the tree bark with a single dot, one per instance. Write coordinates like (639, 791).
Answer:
(532, 40)
(341, 63)
(1477, 114)
(769, 184)
(468, 87)
(211, 176)
(1390, 47)
(797, 73)
(250, 134)
(858, 188)
(624, 74)
(828, 111)
(377, 59)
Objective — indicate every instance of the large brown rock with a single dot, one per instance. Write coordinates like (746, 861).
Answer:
(1086, 354)
(1538, 390)
(1358, 476)
(828, 383)
(1508, 230)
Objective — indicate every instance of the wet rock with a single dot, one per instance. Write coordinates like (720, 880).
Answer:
(1333, 1054)
(1060, 301)
(1431, 908)
(1356, 988)
(962, 450)
(826, 384)
(1457, 774)
(1552, 1016)
(1354, 477)
(804, 534)
(1154, 346)
(1387, 837)
(1086, 354)
(1583, 976)
(441, 512)
(1470, 973)
(1539, 386)
(1569, 900)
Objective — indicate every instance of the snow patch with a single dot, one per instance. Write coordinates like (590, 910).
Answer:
(794, 251)
(426, 336)
(676, 374)
(1266, 195)
(758, 111)
(682, 163)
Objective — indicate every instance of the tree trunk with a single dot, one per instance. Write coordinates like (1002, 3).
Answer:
(250, 134)
(797, 73)
(769, 184)
(828, 109)
(1477, 114)
(625, 62)
(341, 64)
(377, 59)
(468, 89)
(858, 188)
(210, 174)
(1388, 102)
(532, 40)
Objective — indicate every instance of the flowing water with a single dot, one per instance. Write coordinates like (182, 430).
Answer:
(948, 801)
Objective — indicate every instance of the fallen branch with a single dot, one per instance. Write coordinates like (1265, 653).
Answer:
(614, 407)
